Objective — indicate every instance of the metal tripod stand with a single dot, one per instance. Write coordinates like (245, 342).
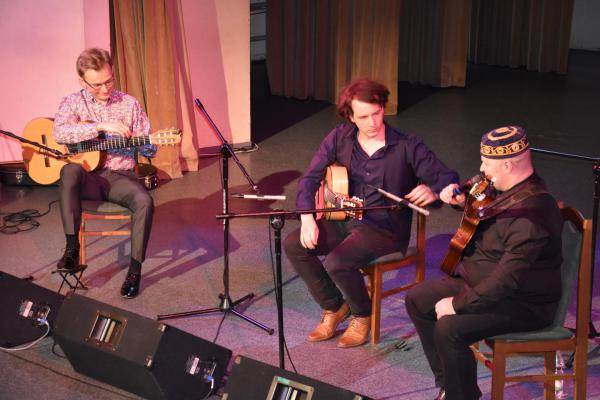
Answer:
(226, 305)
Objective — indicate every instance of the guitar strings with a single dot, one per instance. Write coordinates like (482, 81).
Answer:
(108, 144)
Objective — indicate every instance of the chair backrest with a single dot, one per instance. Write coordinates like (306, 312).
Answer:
(576, 252)
(572, 237)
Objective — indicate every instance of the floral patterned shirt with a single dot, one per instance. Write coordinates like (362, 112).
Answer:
(79, 113)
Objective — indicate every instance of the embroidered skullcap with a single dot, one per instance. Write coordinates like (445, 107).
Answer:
(504, 142)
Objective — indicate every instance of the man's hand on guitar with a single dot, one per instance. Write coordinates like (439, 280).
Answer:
(309, 231)
(114, 127)
(448, 196)
(421, 195)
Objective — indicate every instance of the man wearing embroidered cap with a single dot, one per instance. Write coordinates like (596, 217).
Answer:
(509, 276)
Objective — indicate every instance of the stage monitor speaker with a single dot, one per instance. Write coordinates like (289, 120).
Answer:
(254, 380)
(136, 353)
(22, 305)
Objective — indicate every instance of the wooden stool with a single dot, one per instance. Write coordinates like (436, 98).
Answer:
(391, 262)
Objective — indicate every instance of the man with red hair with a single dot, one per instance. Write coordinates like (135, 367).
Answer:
(376, 155)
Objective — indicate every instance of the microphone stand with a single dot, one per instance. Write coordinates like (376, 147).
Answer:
(226, 305)
(277, 221)
(46, 149)
(596, 199)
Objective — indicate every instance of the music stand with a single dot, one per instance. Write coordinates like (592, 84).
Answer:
(226, 305)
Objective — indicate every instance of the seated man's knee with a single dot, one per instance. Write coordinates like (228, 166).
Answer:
(143, 201)
(447, 331)
(409, 299)
(291, 243)
(71, 173)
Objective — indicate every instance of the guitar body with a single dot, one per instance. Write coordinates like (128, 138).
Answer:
(43, 167)
(334, 181)
(459, 241)
(476, 200)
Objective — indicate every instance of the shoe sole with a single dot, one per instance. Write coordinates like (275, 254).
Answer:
(341, 346)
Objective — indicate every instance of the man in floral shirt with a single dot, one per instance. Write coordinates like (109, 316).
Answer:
(100, 111)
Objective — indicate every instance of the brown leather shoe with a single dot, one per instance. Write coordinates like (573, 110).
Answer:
(329, 322)
(357, 332)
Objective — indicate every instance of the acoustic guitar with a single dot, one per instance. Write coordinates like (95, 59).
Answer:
(333, 193)
(44, 166)
(479, 196)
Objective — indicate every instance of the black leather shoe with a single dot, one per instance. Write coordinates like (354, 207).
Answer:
(70, 260)
(441, 395)
(131, 286)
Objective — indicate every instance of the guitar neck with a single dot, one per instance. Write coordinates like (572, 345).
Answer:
(108, 144)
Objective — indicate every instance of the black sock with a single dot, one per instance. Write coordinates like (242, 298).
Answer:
(135, 266)
(72, 241)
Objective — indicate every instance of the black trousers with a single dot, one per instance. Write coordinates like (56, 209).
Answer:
(338, 277)
(120, 187)
(446, 341)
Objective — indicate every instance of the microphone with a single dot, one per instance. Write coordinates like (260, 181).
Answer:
(466, 186)
(400, 200)
(258, 196)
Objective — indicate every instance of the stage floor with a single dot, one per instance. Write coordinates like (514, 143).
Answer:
(184, 265)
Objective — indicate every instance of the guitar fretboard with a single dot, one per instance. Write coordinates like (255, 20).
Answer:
(108, 144)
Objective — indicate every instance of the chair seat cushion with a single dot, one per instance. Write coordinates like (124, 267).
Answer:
(392, 257)
(549, 333)
(103, 207)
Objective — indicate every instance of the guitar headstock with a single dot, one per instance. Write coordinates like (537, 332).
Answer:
(479, 189)
(166, 136)
(351, 202)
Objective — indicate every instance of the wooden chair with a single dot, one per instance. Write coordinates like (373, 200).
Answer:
(576, 266)
(93, 211)
(100, 211)
(392, 262)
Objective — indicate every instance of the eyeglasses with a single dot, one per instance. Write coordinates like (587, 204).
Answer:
(96, 86)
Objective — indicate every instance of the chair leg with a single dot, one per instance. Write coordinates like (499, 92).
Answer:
(580, 371)
(499, 372)
(549, 370)
(376, 305)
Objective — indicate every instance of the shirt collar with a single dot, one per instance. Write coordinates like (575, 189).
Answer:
(90, 98)
(391, 137)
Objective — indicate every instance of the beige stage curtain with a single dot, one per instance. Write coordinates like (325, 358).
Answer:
(144, 68)
(434, 38)
(183, 88)
(515, 33)
(366, 44)
(315, 46)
